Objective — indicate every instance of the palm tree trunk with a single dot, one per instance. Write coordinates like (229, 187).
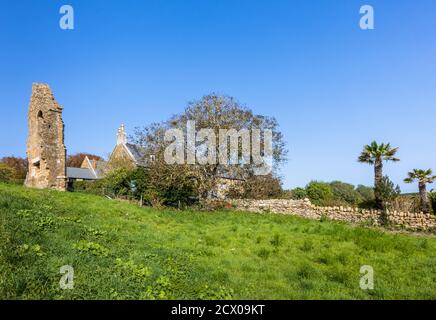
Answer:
(378, 175)
(425, 205)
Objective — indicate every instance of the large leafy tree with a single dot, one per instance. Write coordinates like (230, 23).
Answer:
(374, 154)
(423, 177)
(213, 112)
(19, 166)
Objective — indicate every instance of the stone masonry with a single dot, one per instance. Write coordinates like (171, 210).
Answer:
(46, 150)
(303, 208)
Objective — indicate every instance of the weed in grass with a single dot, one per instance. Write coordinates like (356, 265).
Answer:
(325, 258)
(307, 246)
(161, 289)
(91, 247)
(324, 218)
(95, 232)
(276, 241)
(44, 223)
(211, 242)
(339, 275)
(32, 249)
(342, 258)
(263, 253)
(139, 271)
(423, 244)
(306, 271)
(218, 293)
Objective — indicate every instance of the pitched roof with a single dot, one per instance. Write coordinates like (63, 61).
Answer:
(99, 169)
(81, 173)
(138, 153)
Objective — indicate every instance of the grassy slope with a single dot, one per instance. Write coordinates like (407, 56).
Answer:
(123, 251)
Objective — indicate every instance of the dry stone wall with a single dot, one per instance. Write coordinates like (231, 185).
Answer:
(303, 208)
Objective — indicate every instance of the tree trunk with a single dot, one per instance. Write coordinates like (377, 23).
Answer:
(425, 205)
(378, 175)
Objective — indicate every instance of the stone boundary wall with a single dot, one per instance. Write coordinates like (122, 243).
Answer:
(303, 208)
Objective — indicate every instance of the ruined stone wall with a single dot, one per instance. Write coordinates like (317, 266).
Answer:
(46, 150)
(303, 208)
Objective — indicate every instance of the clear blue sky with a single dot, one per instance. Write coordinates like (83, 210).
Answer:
(332, 86)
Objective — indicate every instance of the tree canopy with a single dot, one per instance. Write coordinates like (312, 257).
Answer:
(215, 113)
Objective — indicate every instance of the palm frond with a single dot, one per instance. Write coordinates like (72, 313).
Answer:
(375, 151)
(409, 180)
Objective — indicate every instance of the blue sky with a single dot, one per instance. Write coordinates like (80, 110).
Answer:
(332, 86)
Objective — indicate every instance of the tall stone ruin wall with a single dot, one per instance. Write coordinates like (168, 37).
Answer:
(46, 150)
(303, 208)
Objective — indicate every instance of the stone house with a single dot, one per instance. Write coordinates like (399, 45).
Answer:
(124, 154)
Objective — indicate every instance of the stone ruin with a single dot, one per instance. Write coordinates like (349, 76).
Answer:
(46, 152)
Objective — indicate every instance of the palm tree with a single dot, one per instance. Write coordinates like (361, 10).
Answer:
(374, 154)
(424, 177)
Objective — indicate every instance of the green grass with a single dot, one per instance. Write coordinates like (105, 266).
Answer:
(121, 251)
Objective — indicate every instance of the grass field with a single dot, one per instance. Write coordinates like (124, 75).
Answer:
(121, 251)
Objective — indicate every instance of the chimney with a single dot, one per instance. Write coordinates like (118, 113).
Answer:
(121, 135)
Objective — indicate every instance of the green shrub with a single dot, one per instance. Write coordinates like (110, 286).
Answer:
(345, 192)
(366, 193)
(6, 173)
(93, 187)
(320, 193)
(336, 193)
(433, 201)
(153, 198)
(367, 197)
(139, 182)
(298, 194)
(257, 187)
(179, 193)
(387, 191)
(136, 184)
(118, 182)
